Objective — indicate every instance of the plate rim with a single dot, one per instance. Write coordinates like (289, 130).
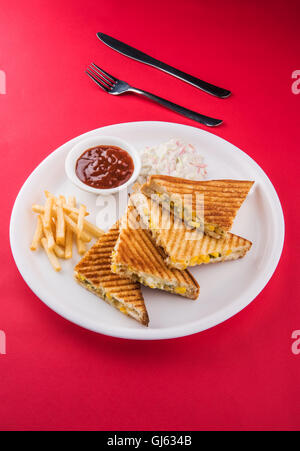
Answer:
(182, 330)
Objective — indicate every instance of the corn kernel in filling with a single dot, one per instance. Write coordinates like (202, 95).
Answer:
(215, 254)
(204, 259)
(194, 260)
(210, 227)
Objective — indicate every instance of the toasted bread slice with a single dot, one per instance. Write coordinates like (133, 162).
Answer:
(210, 205)
(94, 273)
(183, 246)
(136, 256)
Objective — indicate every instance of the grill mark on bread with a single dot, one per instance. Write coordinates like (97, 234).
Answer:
(222, 198)
(170, 239)
(95, 267)
(137, 253)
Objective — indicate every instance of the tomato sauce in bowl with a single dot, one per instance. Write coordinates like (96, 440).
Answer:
(104, 167)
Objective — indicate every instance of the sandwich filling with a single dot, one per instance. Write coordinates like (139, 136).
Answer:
(209, 205)
(183, 248)
(107, 297)
(173, 203)
(213, 257)
(136, 257)
(152, 281)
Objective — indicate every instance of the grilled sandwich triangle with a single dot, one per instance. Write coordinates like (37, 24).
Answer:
(94, 273)
(136, 256)
(183, 246)
(211, 205)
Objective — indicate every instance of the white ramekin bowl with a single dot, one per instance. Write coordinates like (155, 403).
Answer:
(82, 146)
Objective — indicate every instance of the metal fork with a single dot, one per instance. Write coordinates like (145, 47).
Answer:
(112, 85)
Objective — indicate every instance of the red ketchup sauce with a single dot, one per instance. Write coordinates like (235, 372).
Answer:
(104, 167)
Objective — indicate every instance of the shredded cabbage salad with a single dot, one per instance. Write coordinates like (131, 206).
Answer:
(175, 158)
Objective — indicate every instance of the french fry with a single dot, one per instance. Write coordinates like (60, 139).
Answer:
(73, 226)
(48, 211)
(60, 224)
(62, 199)
(48, 234)
(38, 234)
(68, 209)
(48, 194)
(69, 243)
(56, 248)
(41, 209)
(53, 227)
(59, 251)
(88, 227)
(72, 201)
(51, 256)
(81, 215)
(37, 208)
(69, 234)
(81, 247)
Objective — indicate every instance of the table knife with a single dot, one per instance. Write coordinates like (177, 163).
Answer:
(137, 55)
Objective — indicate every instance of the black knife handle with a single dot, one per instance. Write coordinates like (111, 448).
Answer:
(206, 120)
(203, 85)
(142, 57)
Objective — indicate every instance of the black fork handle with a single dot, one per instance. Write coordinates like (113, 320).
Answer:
(201, 118)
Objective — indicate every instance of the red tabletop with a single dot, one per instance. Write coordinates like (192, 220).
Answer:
(242, 374)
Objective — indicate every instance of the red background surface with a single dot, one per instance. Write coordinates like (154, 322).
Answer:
(241, 374)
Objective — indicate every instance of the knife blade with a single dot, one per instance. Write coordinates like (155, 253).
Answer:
(137, 55)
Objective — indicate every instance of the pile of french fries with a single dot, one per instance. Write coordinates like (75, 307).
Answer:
(59, 222)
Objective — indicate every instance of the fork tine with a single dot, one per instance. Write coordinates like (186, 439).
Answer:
(97, 73)
(99, 77)
(97, 81)
(111, 78)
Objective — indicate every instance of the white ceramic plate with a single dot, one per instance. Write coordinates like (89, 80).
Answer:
(225, 288)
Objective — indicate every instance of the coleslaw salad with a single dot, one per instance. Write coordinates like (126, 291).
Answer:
(175, 158)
